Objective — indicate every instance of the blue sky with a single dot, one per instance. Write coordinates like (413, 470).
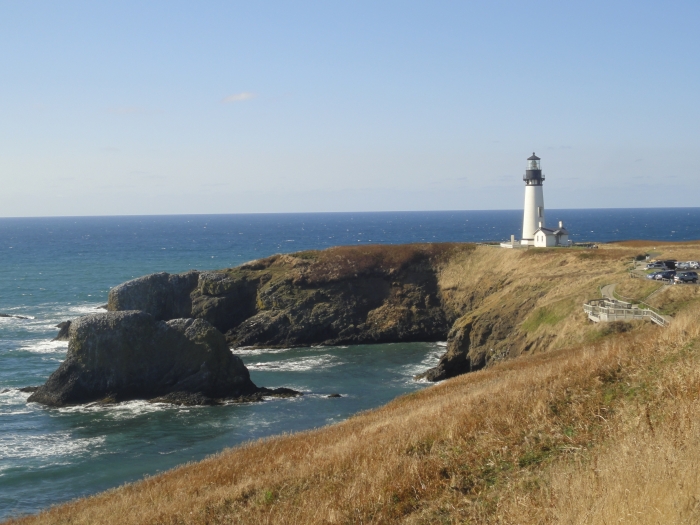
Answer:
(230, 107)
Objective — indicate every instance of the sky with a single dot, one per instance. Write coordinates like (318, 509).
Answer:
(117, 108)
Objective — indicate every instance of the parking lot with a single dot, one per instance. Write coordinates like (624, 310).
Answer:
(668, 271)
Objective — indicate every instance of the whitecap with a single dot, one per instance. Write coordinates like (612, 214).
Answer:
(27, 446)
(13, 397)
(425, 381)
(119, 411)
(47, 346)
(302, 364)
(83, 309)
(259, 351)
(17, 412)
(431, 359)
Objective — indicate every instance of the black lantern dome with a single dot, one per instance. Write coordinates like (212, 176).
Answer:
(533, 175)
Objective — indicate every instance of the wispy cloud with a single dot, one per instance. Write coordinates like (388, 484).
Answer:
(239, 97)
(127, 111)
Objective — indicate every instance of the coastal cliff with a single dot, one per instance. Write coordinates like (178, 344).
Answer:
(343, 295)
(488, 303)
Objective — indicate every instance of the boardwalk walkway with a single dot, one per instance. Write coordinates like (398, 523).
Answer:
(610, 309)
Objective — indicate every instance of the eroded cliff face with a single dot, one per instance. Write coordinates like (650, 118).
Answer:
(480, 337)
(292, 305)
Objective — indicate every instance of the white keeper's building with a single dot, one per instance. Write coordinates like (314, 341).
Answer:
(546, 238)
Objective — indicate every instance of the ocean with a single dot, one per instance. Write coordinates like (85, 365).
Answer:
(54, 269)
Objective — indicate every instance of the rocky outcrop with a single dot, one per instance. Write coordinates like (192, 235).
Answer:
(479, 338)
(14, 316)
(458, 359)
(118, 356)
(165, 296)
(371, 294)
(226, 300)
(371, 311)
(63, 331)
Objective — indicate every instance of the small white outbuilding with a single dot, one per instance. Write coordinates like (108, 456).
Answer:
(547, 238)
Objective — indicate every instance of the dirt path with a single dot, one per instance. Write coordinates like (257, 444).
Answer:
(607, 291)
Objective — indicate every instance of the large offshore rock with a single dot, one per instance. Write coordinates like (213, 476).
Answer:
(165, 296)
(119, 356)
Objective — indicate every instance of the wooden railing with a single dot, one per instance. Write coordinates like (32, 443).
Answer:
(607, 310)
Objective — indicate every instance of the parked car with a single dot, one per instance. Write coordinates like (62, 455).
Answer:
(686, 277)
(667, 275)
(695, 265)
(653, 275)
(683, 266)
(655, 264)
(670, 264)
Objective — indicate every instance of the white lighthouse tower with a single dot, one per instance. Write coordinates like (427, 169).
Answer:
(533, 215)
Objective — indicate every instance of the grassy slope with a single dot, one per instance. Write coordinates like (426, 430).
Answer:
(530, 301)
(598, 429)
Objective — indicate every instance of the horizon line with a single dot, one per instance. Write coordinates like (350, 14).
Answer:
(326, 212)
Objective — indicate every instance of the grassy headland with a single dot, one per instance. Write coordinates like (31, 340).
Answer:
(588, 425)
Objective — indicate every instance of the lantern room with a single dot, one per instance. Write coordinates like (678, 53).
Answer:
(533, 175)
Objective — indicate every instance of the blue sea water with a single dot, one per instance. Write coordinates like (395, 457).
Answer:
(53, 269)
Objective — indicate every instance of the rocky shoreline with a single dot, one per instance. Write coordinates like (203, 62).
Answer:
(169, 336)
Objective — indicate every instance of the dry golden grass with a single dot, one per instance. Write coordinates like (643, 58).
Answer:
(647, 470)
(674, 298)
(637, 289)
(647, 476)
(540, 292)
(342, 262)
(604, 432)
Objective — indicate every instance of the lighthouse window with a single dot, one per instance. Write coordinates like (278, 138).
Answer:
(539, 211)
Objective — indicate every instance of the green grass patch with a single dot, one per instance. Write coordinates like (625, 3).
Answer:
(548, 315)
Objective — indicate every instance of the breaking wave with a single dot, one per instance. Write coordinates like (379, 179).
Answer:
(301, 364)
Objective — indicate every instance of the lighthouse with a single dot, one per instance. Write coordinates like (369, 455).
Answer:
(533, 215)
(534, 232)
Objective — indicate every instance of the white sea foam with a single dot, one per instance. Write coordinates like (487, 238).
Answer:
(13, 398)
(46, 346)
(119, 411)
(26, 446)
(259, 351)
(83, 309)
(431, 359)
(302, 364)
